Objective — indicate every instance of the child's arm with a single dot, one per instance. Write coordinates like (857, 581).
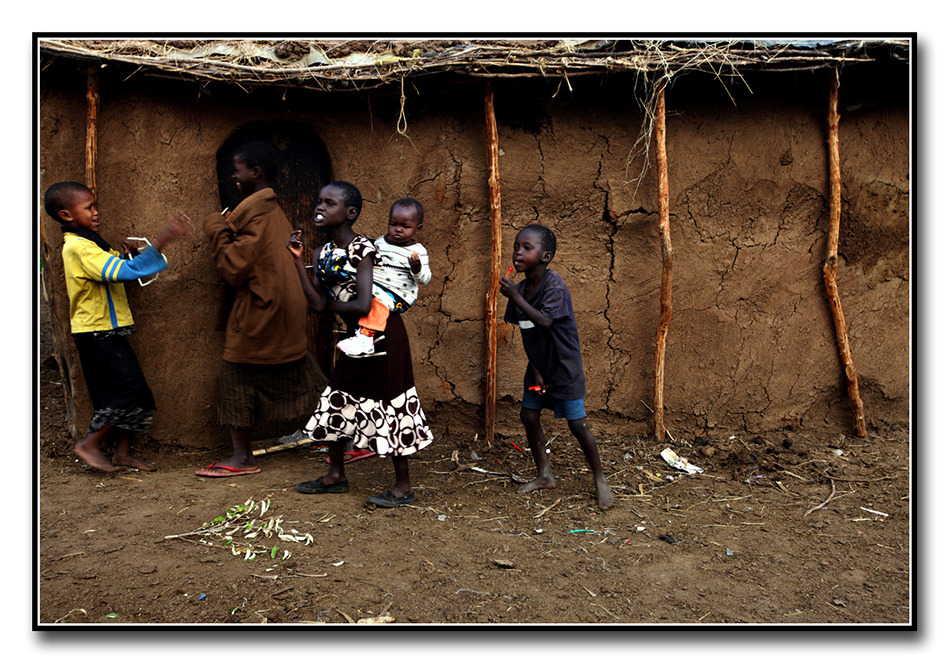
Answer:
(538, 380)
(315, 297)
(130, 249)
(364, 291)
(103, 266)
(509, 289)
(419, 267)
(233, 253)
(177, 226)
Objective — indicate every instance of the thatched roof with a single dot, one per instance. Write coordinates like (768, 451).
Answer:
(348, 64)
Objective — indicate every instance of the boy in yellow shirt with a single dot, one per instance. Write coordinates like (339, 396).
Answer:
(101, 321)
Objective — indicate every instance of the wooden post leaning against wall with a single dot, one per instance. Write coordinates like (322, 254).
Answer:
(830, 269)
(92, 126)
(666, 282)
(491, 298)
(65, 355)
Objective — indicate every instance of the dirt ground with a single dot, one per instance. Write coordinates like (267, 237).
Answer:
(739, 543)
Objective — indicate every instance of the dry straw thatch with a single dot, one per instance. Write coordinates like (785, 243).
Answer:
(347, 64)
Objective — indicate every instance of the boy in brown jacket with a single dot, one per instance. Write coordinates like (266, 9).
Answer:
(266, 371)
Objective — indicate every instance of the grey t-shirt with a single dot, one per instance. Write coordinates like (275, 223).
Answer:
(555, 351)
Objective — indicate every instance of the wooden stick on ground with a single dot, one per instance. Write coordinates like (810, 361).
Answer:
(491, 299)
(542, 512)
(92, 126)
(666, 283)
(830, 270)
(824, 502)
(281, 446)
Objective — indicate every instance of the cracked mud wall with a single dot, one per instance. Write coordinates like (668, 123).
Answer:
(751, 343)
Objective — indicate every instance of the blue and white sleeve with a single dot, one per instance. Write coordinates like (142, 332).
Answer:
(147, 263)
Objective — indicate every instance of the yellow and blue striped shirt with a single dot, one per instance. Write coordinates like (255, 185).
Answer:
(94, 281)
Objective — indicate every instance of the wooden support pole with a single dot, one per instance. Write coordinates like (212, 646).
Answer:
(830, 269)
(666, 283)
(92, 126)
(491, 299)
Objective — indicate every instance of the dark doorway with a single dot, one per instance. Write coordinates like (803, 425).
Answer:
(303, 169)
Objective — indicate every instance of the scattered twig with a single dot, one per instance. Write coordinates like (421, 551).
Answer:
(542, 512)
(82, 611)
(851, 479)
(794, 475)
(825, 502)
(348, 619)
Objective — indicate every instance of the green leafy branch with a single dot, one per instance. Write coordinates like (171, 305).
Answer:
(243, 529)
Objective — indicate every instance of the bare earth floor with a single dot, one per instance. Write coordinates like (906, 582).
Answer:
(732, 545)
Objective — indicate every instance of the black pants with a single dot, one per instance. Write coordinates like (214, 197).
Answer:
(120, 396)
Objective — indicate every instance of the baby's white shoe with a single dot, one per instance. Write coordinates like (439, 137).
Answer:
(358, 344)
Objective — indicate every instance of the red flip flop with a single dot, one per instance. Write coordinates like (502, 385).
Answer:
(356, 455)
(220, 470)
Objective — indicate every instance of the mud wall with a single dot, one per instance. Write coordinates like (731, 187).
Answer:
(751, 344)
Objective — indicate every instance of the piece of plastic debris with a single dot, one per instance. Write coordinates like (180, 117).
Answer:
(874, 511)
(583, 530)
(640, 529)
(442, 517)
(730, 552)
(339, 563)
(203, 596)
(679, 462)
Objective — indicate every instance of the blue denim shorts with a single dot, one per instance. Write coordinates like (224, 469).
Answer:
(569, 410)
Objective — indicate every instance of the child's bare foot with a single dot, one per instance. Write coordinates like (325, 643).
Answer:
(132, 462)
(604, 497)
(94, 459)
(540, 482)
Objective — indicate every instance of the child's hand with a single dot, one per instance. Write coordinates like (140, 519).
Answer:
(130, 249)
(539, 385)
(415, 263)
(295, 246)
(178, 225)
(507, 287)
